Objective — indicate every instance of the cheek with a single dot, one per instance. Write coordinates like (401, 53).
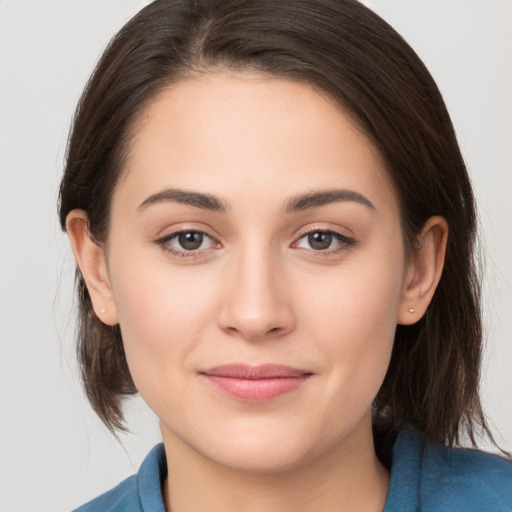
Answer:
(163, 314)
(361, 296)
(353, 318)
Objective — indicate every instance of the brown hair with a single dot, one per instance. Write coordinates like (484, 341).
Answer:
(345, 50)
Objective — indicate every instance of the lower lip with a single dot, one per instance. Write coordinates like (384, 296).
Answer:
(256, 390)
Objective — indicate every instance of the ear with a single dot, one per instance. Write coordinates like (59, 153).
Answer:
(91, 260)
(423, 271)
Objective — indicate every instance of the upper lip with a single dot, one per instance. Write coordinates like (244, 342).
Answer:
(245, 371)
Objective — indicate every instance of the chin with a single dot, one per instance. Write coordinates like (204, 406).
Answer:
(260, 456)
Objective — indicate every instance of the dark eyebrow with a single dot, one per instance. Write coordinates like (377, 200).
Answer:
(324, 197)
(197, 199)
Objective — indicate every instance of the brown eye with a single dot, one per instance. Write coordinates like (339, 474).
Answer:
(320, 240)
(187, 243)
(190, 240)
(323, 240)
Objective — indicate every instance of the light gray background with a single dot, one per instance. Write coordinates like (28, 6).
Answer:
(54, 453)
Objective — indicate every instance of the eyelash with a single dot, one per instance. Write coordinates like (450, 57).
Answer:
(344, 243)
(184, 253)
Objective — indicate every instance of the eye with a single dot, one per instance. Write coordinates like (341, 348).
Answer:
(323, 240)
(189, 240)
(185, 243)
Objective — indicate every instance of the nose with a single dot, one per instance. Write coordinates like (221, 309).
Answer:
(256, 303)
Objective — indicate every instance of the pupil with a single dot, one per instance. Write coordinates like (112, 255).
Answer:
(320, 241)
(190, 240)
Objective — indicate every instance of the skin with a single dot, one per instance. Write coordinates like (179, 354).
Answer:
(258, 291)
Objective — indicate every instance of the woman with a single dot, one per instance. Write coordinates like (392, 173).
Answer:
(274, 230)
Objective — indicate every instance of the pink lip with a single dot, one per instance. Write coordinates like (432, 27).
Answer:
(255, 383)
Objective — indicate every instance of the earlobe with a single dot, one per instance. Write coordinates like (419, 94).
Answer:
(424, 271)
(91, 260)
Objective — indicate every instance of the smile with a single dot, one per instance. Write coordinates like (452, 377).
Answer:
(255, 383)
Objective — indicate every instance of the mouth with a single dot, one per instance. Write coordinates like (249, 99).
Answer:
(255, 383)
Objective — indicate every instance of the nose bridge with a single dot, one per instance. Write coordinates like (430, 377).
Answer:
(256, 304)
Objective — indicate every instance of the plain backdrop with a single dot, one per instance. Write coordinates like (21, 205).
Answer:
(54, 453)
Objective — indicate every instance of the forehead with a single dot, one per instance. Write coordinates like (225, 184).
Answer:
(234, 134)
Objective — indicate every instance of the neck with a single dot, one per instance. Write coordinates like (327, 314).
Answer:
(347, 477)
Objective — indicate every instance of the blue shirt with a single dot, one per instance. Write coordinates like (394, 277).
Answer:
(424, 478)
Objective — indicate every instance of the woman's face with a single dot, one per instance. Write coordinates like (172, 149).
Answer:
(255, 225)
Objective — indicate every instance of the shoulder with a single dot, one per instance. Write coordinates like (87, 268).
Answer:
(467, 479)
(138, 493)
(123, 498)
(437, 478)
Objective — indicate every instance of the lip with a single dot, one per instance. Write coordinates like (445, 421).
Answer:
(255, 383)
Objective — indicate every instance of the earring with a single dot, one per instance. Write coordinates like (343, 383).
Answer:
(411, 310)
(103, 310)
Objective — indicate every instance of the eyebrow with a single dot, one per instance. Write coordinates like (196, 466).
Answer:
(294, 204)
(325, 197)
(197, 199)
